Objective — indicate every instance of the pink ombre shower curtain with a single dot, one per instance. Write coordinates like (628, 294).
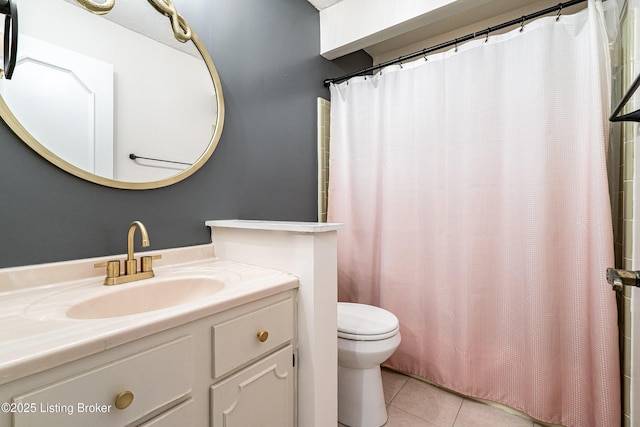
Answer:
(473, 189)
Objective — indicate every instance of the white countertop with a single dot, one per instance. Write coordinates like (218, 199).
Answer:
(292, 226)
(37, 335)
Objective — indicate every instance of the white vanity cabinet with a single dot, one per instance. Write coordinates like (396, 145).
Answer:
(232, 368)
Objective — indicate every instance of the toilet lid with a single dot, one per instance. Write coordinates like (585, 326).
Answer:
(365, 322)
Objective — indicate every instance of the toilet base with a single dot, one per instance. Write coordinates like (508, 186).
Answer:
(360, 397)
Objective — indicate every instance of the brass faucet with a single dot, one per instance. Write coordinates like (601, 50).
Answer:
(131, 273)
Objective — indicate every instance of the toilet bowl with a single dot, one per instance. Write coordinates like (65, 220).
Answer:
(367, 336)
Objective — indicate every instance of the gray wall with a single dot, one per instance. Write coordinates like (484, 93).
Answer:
(266, 52)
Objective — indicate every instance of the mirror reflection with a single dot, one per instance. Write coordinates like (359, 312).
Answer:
(93, 90)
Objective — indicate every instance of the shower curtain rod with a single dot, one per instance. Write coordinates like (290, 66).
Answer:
(557, 8)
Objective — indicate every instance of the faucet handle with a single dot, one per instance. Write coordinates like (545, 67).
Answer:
(113, 268)
(146, 262)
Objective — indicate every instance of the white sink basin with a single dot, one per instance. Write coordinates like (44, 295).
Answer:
(146, 295)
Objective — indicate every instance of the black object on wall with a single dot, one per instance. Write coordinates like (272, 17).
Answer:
(263, 168)
(633, 116)
(9, 9)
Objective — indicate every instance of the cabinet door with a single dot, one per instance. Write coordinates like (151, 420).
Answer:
(261, 395)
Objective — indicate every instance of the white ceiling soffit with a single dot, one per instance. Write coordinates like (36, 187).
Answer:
(323, 4)
(380, 26)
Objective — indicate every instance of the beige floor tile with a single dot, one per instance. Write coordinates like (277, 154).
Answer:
(392, 382)
(428, 402)
(475, 414)
(414, 403)
(400, 418)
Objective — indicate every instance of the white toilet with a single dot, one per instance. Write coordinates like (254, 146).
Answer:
(367, 336)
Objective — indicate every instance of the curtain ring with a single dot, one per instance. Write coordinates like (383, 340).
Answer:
(487, 38)
(522, 24)
(456, 42)
(559, 12)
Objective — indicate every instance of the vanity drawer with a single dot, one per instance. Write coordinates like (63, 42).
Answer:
(156, 377)
(181, 415)
(239, 340)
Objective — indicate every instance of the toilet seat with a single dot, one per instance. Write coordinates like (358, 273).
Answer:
(362, 322)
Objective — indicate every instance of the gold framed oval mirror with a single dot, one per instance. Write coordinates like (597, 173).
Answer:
(114, 99)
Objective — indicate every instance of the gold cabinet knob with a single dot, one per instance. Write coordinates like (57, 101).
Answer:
(124, 399)
(262, 336)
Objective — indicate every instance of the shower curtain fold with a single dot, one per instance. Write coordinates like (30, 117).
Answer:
(473, 189)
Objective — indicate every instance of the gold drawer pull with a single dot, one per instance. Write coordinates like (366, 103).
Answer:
(124, 399)
(262, 336)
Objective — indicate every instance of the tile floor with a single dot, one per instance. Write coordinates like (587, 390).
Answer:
(413, 403)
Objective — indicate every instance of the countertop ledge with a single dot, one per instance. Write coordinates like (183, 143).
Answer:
(290, 226)
(36, 334)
